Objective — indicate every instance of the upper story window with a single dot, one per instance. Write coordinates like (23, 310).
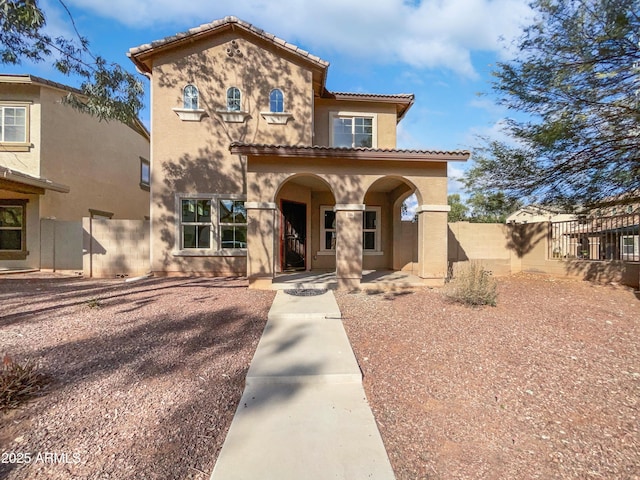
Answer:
(352, 130)
(276, 101)
(13, 124)
(190, 96)
(233, 99)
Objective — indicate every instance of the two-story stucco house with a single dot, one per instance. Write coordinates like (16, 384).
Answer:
(257, 168)
(58, 163)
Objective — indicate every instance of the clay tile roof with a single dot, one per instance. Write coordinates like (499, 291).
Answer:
(342, 152)
(225, 22)
(403, 101)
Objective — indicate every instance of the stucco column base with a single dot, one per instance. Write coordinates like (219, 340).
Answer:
(349, 245)
(260, 283)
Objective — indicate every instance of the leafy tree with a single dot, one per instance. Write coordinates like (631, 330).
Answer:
(109, 92)
(577, 80)
(492, 207)
(458, 212)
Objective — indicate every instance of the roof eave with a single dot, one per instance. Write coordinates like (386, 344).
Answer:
(23, 178)
(286, 151)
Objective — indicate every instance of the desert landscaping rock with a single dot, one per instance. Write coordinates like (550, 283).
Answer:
(146, 377)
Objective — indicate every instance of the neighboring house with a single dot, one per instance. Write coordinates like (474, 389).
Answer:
(58, 163)
(604, 233)
(257, 168)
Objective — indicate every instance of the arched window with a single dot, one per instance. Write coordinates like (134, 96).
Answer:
(276, 101)
(233, 99)
(190, 97)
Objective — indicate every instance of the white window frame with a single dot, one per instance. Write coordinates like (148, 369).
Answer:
(378, 231)
(229, 100)
(145, 174)
(635, 247)
(215, 242)
(24, 142)
(190, 105)
(377, 250)
(353, 116)
(323, 231)
(271, 101)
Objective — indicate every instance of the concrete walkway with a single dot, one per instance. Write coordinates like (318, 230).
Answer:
(303, 414)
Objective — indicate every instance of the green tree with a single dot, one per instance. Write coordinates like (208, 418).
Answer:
(459, 210)
(577, 80)
(109, 91)
(491, 207)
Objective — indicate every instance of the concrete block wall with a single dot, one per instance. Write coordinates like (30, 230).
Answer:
(115, 248)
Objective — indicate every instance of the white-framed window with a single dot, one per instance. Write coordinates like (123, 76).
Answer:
(353, 130)
(190, 96)
(13, 123)
(327, 229)
(195, 223)
(370, 229)
(234, 99)
(630, 247)
(13, 229)
(210, 224)
(233, 224)
(276, 101)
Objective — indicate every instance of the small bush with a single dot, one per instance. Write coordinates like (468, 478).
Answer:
(18, 383)
(472, 285)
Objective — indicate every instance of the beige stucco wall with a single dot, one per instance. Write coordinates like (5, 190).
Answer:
(192, 157)
(384, 113)
(99, 161)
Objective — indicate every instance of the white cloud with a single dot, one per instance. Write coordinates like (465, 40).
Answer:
(428, 34)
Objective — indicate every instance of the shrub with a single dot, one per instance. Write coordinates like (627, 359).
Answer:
(18, 383)
(472, 285)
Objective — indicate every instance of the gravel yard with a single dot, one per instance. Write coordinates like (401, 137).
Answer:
(545, 385)
(146, 376)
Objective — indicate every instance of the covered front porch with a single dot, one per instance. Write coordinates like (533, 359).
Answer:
(320, 209)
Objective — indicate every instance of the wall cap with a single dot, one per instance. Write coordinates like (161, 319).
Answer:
(433, 208)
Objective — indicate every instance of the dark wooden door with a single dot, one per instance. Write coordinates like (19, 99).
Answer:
(294, 235)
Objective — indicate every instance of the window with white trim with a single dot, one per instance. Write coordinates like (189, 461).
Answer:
(233, 224)
(195, 223)
(276, 101)
(353, 130)
(233, 100)
(190, 97)
(327, 229)
(145, 174)
(370, 229)
(13, 124)
(210, 224)
(13, 229)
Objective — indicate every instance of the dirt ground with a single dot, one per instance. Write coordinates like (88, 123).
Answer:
(544, 385)
(146, 376)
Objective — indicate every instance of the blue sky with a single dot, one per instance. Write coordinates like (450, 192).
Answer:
(443, 51)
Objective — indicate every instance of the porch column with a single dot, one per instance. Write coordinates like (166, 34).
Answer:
(433, 243)
(349, 245)
(260, 243)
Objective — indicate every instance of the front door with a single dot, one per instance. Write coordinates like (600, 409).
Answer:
(294, 230)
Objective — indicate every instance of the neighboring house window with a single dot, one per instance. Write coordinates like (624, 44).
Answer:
(233, 99)
(629, 246)
(353, 131)
(13, 224)
(145, 173)
(190, 96)
(195, 223)
(13, 124)
(370, 229)
(233, 224)
(276, 101)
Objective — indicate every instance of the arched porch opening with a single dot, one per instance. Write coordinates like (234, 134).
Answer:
(389, 242)
(305, 224)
